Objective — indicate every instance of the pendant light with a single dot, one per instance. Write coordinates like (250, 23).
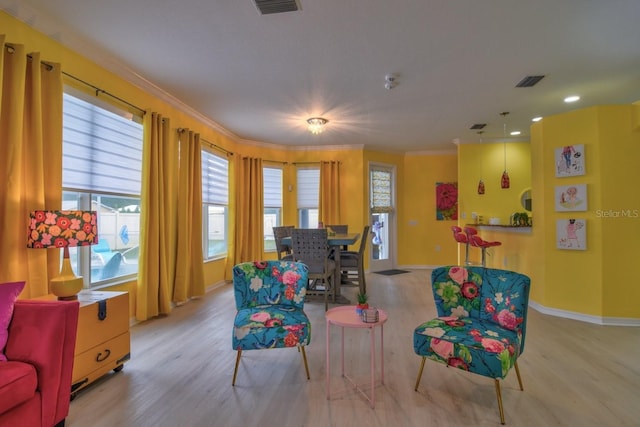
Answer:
(481, 182)
(504, 180)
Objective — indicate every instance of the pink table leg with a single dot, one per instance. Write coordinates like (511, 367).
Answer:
(373, 367)
(328, 375)
(382, 354)
(342, 352)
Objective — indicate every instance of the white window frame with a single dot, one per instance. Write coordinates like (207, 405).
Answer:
(102, 160)
(308, 200)
(215, 203)
(272, 178)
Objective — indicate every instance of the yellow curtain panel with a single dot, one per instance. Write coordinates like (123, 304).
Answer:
(158, 223)
(30, 162)
(189, 278)
(249, 226)
(329, 204)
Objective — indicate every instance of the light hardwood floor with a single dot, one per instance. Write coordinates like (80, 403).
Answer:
(574, 373)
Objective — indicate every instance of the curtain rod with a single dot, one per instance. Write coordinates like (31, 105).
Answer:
(12, 49)
(50, 67)
(318, 162)
(211, 144)
(99, 91)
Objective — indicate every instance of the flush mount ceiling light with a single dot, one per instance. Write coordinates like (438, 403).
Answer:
(572, 98)
(316, 124)
(536, 119)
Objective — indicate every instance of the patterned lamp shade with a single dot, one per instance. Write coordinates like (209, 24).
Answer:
(62, 229)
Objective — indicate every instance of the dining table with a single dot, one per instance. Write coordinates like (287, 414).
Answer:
(336, 242)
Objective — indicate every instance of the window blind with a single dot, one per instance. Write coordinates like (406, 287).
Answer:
(102, 151)
(381, 200)
(308, 188)
(272, 181)
(215, 179)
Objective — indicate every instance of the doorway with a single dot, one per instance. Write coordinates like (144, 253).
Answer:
(382, 218)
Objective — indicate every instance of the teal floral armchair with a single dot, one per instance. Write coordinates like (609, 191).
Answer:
(481, 324)
(270, 302)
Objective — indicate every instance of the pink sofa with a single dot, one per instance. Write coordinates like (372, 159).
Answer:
(35, 381)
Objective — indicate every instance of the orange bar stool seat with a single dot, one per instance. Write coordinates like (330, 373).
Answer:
(479, 242)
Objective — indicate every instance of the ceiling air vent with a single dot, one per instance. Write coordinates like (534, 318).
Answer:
(267, 7)
(529, 81)
(478, 126)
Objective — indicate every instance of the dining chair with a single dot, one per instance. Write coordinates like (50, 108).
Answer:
(339, 228)
(352, 262)
(311, 247)
(481, 324)
(283, 251)
(269, 298)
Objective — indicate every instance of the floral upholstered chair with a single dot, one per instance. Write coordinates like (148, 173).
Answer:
(270, 302)
(481, 323)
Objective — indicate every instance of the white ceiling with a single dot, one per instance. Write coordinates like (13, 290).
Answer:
(457, 62)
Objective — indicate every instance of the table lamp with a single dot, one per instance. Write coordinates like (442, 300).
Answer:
(63, 229)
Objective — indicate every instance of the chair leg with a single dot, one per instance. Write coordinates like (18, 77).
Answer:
(420, 373)
(466, 254)
(515, 365)
(304, 358)
(497, 381)
(235, 371)
(334, 285)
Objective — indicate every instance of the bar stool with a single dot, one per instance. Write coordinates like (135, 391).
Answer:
(479, 242)
(461, 238)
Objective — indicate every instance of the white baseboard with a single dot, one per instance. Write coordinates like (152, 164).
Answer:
(598, 320)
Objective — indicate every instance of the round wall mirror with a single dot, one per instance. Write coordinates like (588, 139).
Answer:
(525, 199)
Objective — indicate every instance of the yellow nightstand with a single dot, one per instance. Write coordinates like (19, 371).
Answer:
(102, 340)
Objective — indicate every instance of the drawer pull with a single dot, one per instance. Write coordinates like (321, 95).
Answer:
(102, 309)
(101, 358)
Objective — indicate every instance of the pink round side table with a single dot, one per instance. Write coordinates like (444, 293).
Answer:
(346, 317)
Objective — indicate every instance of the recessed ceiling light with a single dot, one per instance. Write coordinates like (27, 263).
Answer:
(515, 133)
(536, 119)
(572, 98)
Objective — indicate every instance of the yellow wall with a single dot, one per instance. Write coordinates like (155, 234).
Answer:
(423, 240)
(596, 281)
(486, 161)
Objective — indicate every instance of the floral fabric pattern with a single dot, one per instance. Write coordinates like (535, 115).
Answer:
(481, 323)
(269, 297)
(62, 228)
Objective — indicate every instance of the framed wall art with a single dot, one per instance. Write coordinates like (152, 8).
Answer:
(446, 201)
(571, 234)
(569, 160)
(571, 198)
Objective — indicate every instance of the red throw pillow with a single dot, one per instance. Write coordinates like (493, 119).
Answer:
(8, 294)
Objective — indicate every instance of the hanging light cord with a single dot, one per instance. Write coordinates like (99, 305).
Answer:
(504, 135)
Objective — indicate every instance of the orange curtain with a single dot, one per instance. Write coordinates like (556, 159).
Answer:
(329, 204)
(158, 225)
(249, 207)
(189, 279)
(30, 162)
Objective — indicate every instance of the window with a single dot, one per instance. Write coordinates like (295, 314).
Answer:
(102, 171)
(272, 192)
(308, 196)
(215, 204)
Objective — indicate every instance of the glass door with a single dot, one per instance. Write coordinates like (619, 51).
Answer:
(382, 217)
